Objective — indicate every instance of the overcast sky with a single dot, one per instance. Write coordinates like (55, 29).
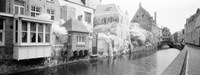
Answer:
(170, 13)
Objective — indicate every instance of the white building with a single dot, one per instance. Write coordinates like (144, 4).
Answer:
(76, 9)
(111, 15)
(166, 34)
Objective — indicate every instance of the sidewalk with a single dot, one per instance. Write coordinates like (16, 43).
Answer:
(193, 60)
(175, 67)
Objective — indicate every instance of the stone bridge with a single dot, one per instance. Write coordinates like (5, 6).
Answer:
(170, 44)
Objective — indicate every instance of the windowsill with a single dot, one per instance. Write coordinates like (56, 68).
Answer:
(33, 44)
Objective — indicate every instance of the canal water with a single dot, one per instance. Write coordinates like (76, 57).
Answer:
(140, 63)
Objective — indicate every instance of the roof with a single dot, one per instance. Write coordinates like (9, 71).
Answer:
(75, 25)
(140, 10)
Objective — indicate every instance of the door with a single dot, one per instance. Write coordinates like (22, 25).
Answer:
(94, 44)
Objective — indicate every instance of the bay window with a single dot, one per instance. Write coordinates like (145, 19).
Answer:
(32, 32)
(2, 28)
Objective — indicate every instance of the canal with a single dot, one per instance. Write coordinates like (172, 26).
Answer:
(141, 63)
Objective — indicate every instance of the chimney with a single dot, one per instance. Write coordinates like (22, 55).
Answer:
(140, 5)
(155, 17)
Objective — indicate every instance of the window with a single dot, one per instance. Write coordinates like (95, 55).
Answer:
(87, 17)
(19, 10)
(47, 33)
(81, 40)
(24, 31)
(40, 33)
(34, 32)
(51, 12)
(143, 15)
(16, 31)
(2, 24)
(108, 9)
(35, 11)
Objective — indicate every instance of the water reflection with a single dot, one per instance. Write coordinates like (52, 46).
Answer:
(141, 63)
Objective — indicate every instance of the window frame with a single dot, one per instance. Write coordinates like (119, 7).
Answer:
(81, 40)
(35, 10)
(49, 11)
(88, 17)
(3, 33)
(19, 9)
(37, 32)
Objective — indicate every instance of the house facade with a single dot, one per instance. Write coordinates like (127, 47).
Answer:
(24, 34)
(192, 29)
(79, 11)
(76, 9)
(78, 39)
(146, 21)
(166, 34)
(111, 15)
(143, 17)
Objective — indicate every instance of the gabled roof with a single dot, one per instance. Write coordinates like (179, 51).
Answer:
(75, 25)
(140, 10)
(106, 9)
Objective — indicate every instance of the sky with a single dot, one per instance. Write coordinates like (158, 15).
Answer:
(170, 13)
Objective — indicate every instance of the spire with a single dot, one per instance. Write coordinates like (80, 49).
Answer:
(140, 5)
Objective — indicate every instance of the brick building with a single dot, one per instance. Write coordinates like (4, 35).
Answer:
(23, 34)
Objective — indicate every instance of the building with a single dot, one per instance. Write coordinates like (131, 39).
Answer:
(78, 37)
(147, 22)
(94, 3)
(192, 29)
(143, 17)
(23, 34)
(180, 36)
(175, 37)
(79, 11)
(107, 16)
(76, 9)
(166, 34)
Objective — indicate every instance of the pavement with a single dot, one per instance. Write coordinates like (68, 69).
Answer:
(175, 67)
(193, 66)
(192, 63)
